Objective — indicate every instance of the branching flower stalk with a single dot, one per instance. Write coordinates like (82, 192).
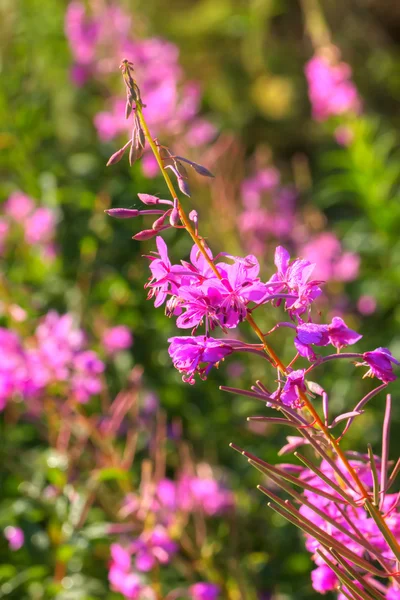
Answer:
(220, 295)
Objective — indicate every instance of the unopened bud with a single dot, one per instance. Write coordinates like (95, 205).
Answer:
(174, 217)
(122, 213)
(183, 186)
(128, 108)
(116, 157)
(158, 223)
(146, 234)
(148, 199)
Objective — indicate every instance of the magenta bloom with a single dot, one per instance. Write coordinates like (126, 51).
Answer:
(120, 574)
(153, 548)
(393, 594)
(163, 279)
(294, 279)
(116, 339)
(19, 206)
(380, 362)
(294, 384)
(210, 496)
(323, 579)
(331, 262)
(337, 334)
(40, 226)
(15, 537)
(189, 353)
(204, 591)
(331, 90)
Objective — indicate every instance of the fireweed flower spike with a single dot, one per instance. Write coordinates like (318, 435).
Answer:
(341, 503)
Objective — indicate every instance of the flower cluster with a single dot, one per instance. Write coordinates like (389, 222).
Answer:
(363, 538)
(170, 503)
(98, 40)
(331, 90)
(55, 356)
(38, 223)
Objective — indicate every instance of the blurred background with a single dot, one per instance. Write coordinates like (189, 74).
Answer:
(294, 106)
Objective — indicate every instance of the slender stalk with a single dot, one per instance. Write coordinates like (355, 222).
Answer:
(385, 448)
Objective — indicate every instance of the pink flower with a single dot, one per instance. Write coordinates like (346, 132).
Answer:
(366, 305)
(326, 252)
(15, 537)
(152, 548)
(204, 591)
(116, 339)
(337, 334)
(331, 90)
(294, 278)
(380, 362)
(324, 579)
(290, 393)
(4, 229)
(40, 226)
(19, 206)
(189, 353)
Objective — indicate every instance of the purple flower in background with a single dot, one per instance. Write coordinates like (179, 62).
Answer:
(189, 353)
(204, 591)
(323, 579)
(116, 339)
(40, 226)
(15, 537)
(86, 381)
(331, 262)
(55, 354)
(380, 362)
(19, 206)
(152, 548)
(120, 574)
(210, 496)
(331, 90)
(4, 229)
(100, 39)
(366, 305)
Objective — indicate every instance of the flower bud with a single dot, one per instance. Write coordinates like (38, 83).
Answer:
(146, 234)
(174, 217)
(122, 213)
(116, 157)
(158, 223)
(148, 199)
